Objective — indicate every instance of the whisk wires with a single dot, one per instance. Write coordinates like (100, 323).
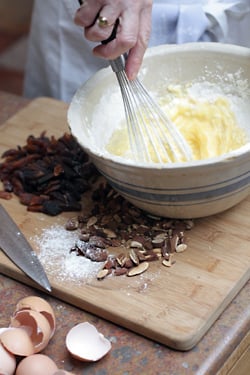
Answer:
(152, 135)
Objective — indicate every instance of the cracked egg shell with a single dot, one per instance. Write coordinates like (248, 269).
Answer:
(39, 304)
(7, 361)
(36, 325)
(85, 343)
(2, 329)
(17, 341)
(38, 364)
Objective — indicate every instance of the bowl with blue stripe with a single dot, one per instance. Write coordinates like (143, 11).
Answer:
(192, 189)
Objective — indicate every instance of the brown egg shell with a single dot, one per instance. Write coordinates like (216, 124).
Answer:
(17, 341)
(36, 325)
(38, 364)
(3, 329)
(39, 304)
(7, 361)
(85, 343)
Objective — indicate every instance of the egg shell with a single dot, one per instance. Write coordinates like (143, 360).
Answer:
(3, 329)
(39, 304)
(36, 325)
(85, 343)
(7, 362)
(17, 341)
(36, 364)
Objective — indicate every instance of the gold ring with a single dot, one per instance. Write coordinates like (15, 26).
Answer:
(103, 22)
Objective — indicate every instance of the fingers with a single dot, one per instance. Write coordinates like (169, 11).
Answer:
(136, 54)
(96, 30)
(126, 37)
(86, 15)
(102, 28)
(132, 34)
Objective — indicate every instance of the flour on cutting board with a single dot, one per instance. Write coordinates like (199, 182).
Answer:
(54, 246)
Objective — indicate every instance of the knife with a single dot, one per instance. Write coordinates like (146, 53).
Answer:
(17, 248)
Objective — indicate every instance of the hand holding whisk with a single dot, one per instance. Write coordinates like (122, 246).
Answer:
(152, 135)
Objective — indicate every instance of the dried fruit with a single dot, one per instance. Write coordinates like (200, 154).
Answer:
(48, 175)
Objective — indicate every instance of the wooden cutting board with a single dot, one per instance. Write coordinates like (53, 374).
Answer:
(175, 306)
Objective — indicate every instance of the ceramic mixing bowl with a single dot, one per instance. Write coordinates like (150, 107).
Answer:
(176, 190)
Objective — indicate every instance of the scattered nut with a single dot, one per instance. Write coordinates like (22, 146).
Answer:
(142, 267)
(120, 271)
(102, 274)
(121, 259)
(136, 244)
(125, 238)
(167, 263)
(72, 224)
(109, 233)
(181, 247)
(133, 256)
(92, 221)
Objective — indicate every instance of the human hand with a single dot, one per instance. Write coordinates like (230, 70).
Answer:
(132, 33)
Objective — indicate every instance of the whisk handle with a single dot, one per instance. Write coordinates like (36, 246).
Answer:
(118, 64)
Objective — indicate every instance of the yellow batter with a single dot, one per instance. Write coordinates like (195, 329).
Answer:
(209, 126)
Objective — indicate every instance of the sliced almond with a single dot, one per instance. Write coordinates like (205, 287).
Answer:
(158, 242)
(109, 233)
(189, 224)
(134, 257)
(121, 259)
(92, 221)
(142, 267)
(157, 250)
(168, 262)
(174, 242)
(136, 244)
(102, 273)
(152, 256)
(181, 247)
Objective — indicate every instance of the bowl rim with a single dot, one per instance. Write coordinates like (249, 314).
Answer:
(220, 48)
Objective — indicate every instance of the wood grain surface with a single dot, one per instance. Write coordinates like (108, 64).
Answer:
(175, 306)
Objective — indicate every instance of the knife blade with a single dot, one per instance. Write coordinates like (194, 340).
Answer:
(14, 244)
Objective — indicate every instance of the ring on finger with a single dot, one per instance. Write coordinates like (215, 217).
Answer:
(82, 3)
(103, 22)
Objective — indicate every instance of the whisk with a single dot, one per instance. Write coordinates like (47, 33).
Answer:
(153, 137)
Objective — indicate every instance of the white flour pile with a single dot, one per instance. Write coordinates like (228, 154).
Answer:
(54, 246)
